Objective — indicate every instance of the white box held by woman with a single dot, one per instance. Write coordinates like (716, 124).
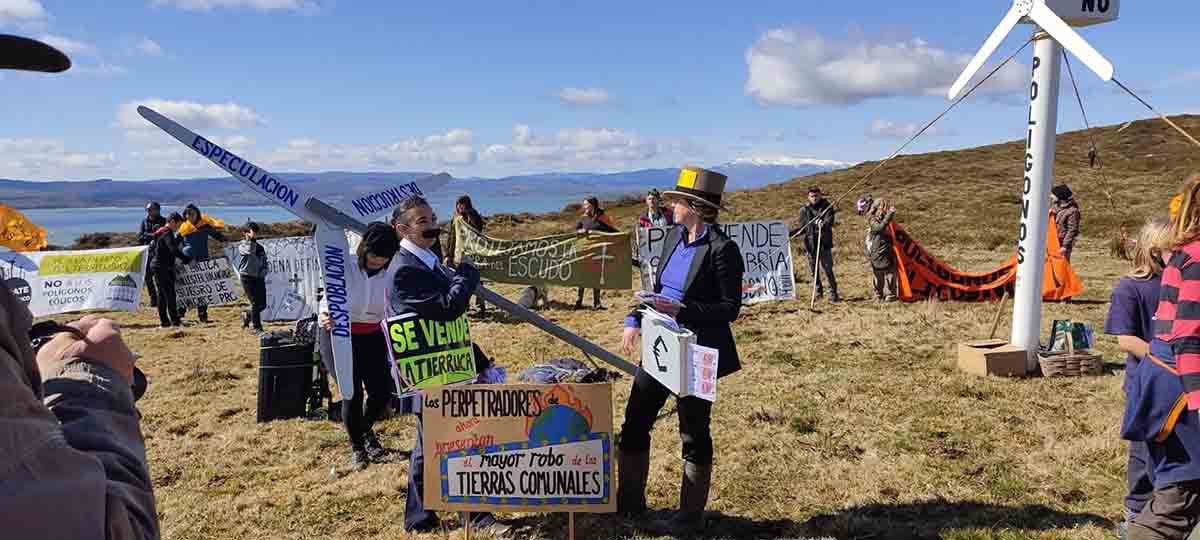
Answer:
(671, 356)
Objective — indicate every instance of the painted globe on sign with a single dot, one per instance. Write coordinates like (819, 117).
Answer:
(556, 423)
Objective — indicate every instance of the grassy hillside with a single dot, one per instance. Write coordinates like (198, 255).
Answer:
(847, 422)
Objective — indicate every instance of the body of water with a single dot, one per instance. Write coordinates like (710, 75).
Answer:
(65, 225)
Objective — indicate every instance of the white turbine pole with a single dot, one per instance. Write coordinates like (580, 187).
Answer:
(1039, 175)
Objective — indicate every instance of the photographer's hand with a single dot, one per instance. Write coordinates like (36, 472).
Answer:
(101, 343)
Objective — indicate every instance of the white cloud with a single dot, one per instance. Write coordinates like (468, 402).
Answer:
(103, 69)
(903, 130)
(42, 158)
(800, 68)
(148, 47)
(583, 97)
(301, 6)
(21, 11)
(452, 148)
(602, 147)
(191, 114)
(789, 161)
(69, 46)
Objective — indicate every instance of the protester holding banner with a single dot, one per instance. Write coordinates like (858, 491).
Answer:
(426, 287)
(153, 222)
(817, 220)
(701, 274)
(166, 250)
(1131, 319)
(195, 232)
(367, 296)
(656, 215)
(1065, 213)
(594, 219)
(252, 269)
(880, 253)
(465, 212)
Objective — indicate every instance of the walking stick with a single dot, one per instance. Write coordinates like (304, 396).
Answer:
(816, 262)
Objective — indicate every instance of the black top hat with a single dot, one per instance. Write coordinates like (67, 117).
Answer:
(700, 185)
(31, 55)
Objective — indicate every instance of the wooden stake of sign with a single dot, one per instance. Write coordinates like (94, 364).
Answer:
(571, 525)
(337, 217)
(999, 312)
(467, 525)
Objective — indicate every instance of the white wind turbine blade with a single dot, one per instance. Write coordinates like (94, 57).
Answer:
(993, 41)
(1071, 40)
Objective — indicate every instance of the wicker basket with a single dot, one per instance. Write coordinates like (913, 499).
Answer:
(1071, 364)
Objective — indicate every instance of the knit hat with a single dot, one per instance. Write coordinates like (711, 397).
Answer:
(381, 239)
(1061, 192)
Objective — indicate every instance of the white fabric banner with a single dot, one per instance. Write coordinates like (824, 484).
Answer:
(765, 250)
(293, 278)
(51, 282)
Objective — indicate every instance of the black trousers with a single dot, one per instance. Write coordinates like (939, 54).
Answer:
(151, 289)
(595, 296)
(372, 373)
(825, 260)
(646, 400)
(201, 311)
(168, 305)
(256, 293)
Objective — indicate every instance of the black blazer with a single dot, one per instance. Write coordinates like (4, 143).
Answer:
(430, 294)
(712, 295)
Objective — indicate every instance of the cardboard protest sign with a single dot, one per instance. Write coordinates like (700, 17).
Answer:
(594, 261)
(210, 282)
(765, 249)
(66, 281)
(293, 277)
(922, 275)
(429, 353)
(527, 448)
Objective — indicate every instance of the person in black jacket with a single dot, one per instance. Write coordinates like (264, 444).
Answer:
(425, 286)
(166, 250)
(701, 272)
(817, 220)
(153, 222)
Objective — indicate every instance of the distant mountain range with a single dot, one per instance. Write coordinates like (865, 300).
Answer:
(335, 186)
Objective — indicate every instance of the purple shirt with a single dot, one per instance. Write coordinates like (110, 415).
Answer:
(674, 274)
(1131, 313)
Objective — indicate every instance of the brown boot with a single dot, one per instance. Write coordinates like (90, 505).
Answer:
(632, 470)
(693, 497)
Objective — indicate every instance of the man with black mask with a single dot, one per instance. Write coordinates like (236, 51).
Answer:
(425, 286)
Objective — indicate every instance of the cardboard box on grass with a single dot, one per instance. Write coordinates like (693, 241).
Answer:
(991, 357)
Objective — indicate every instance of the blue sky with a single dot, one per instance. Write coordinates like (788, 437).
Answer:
(499, 88)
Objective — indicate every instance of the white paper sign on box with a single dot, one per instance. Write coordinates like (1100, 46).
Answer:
(671, 356)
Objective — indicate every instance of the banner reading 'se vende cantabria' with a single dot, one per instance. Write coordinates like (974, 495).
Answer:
(765, 251)
(53, 282)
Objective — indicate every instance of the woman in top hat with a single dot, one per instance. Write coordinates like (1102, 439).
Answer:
(702, 272)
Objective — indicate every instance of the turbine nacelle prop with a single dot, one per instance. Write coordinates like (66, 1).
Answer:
(1054, 17)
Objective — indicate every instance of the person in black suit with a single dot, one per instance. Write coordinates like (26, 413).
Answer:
(702, 271)
(425, 286)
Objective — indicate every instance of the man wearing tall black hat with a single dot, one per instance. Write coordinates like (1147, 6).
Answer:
(73, 452)
(817, 219)
(1066, 217)
(701, 275)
